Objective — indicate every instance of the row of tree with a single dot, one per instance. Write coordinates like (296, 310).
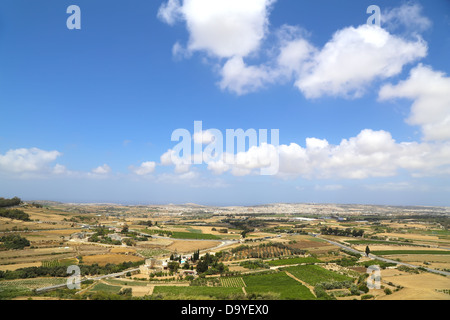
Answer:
(61, 271)
(14, 214)
(9, 202)
(342, 232)
(13, 242)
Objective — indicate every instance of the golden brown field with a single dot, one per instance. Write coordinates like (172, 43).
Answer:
(104, 259)
(418, 286)
(190, 246)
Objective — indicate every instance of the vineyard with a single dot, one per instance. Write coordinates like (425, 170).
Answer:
(313, 274)
(59, 263)
(259, 252)
(150, 253)
(31, 283)
(232, 282)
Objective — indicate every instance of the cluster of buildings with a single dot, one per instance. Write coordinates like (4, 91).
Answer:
(154, 265)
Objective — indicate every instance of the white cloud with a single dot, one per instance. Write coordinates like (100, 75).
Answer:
(408, 15)
(345, 66)
(218, 167)
(431, 107)
(59, 169)
(145, 168)
(222, 28)
(102, 170)
(179, 52)
(252, 161)
(369, 154)
(170, 12)
(182, 165)
(294, 54)
(27, 160)
(366, 155)
(354, 58)
(241, 79)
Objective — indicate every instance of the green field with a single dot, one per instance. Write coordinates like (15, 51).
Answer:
(196, 236)
(394, 252)
(282, 262)
(191, 230)
(382, 242)
(279, 284)
(196, 292)
(313, 274)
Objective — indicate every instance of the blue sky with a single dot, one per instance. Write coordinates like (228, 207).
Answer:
(363, 112)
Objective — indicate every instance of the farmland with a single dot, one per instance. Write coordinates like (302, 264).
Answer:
(278, 285)
(183, 252)
(313, 274)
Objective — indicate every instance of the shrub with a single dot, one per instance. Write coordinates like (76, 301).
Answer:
(363, 287)
(322, 294)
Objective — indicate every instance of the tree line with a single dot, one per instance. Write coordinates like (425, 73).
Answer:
(13, 242)
(61, 271)
(14, 214)
(9, 202)
(342, 232)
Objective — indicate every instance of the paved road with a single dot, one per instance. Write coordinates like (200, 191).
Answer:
(383, 259)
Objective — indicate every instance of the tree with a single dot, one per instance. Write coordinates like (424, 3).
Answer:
(202, 266)
(129, 242)
(367, 250)
(13, 242)
(196, 255)
(124, 229)
(173, 266)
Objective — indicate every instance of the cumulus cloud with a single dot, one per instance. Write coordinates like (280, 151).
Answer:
(145, 168)
(23, 160)
(345, 66)
(240, 78)
(354, 58)
(170, 158)
(408, 16)
(234, 31)
(102, 170)
(369, 154)
(429, 91)
(222, 28)
(59, 169)
(170, 11)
